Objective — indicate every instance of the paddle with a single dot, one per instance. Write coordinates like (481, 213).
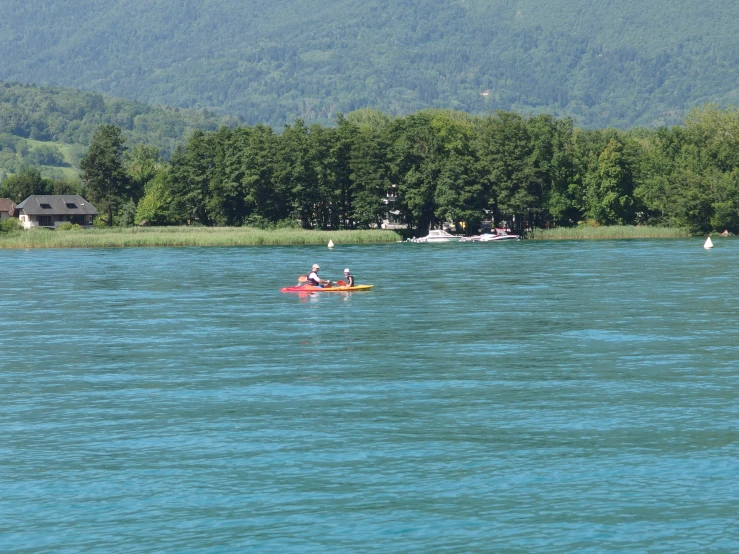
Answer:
(341, 283)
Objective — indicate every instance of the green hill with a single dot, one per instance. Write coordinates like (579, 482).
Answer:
(605, 63)
(50, 127)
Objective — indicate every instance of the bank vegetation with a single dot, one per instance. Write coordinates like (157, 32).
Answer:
(581, 232)
(186, 236)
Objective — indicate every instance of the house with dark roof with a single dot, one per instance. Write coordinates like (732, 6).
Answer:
(54, 210)
(7, 208)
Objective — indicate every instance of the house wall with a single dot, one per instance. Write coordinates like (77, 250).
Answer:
(4, 215)
(31, 221)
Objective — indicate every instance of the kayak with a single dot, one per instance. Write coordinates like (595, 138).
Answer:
(311, 288)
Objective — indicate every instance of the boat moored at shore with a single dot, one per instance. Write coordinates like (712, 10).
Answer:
(498, 234)
(438, 235)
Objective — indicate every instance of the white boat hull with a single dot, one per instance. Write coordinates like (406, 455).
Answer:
(492, 238)
(438, 235)
(424, 239)
(442, 236)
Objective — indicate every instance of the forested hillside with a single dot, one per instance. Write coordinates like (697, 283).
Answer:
(51, 127)
(606, 64)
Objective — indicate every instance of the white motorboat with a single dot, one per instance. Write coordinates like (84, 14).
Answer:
(499, 234)
(438, 235)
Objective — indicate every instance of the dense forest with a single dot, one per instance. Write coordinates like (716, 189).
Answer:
(424, 169)
(605, 64)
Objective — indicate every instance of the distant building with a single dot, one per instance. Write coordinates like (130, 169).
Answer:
(53, 210)
(393, 218)
(7, 208)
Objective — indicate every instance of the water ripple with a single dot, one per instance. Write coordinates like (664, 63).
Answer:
(529, 397)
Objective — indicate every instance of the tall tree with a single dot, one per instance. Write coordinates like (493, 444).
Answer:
(103, 170)
(610, 191)
(341, 155)
(191, 175)
(504, 149)
(415, 168)
(458, 194)
(258, 164)
(658, 191)
(321, 173)
(369, 176)
(142, 164)
(155, 205)
(290, 175)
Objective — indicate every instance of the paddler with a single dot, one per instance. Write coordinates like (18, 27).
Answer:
(348, 278)
(313, 278)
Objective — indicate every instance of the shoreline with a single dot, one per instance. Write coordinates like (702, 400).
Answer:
(162, 237)
(611, 232)
(139, 237)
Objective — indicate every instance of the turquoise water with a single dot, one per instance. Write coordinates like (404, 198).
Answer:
(525, 397)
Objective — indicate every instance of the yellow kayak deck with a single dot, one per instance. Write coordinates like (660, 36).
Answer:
(311, 288)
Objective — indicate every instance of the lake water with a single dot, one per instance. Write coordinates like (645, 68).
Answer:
(519, 397)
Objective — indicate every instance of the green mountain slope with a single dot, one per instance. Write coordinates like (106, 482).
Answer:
(606, 63)
(51, 127)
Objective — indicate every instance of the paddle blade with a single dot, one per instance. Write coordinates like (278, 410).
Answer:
(341, 283)
(302, 279)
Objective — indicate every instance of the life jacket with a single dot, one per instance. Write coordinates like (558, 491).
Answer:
(350, 282)
(313, 281)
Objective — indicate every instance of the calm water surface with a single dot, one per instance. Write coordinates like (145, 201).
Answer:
(526, 397)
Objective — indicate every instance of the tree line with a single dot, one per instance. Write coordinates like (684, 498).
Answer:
(428, 168)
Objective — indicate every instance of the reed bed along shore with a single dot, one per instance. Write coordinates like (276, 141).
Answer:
(610, 232)
(118, 237)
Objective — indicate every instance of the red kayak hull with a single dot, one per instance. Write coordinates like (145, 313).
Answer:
(311, 288)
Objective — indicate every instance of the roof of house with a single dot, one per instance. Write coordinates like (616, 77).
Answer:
(7, 205)
(56, 204)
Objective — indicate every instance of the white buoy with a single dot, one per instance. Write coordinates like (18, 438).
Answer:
(330, 244)
(708, 244)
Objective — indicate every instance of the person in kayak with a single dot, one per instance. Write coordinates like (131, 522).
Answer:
(348, 278)
(313, 278)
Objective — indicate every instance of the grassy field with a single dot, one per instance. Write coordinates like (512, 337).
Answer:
(186, 236)
(609, 232)
(71, 153)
